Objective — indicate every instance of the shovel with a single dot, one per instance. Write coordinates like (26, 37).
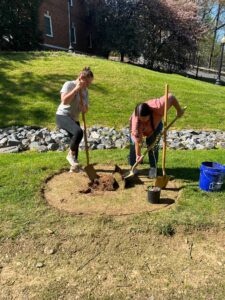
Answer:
(89, 169)
(131, 172)
(162, 181)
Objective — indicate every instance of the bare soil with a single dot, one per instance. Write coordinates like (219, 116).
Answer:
(73, 193)
(117, 264)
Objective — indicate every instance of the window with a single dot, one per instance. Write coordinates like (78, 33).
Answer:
(48, 25)
(73, 34)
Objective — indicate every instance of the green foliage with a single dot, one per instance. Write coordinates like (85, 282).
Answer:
(166, 229)
(18, 27)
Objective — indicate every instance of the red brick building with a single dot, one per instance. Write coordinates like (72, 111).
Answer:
(54, 16)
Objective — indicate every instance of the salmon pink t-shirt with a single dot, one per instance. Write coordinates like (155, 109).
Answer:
(139, 128)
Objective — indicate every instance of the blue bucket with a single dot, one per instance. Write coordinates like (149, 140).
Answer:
(211, 176)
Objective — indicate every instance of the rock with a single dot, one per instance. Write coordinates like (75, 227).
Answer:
(66, 140)
(34, 146)
(63, 147)
(200, 147)
(109, 146)
(39, 134)
(10, 131)
(221, 145)
(209, 146)
(174, 146)
(49, 251)
(49, 139)
(13, 149)
(42, 148)
(119, 144)
(53, 146)
(93, 147)
(41, 139)
(25, 142)
(39, 265)
(101, 147)
(3, 142)
(95, 135)
(13, 142)
(34, 138)
(64, 132)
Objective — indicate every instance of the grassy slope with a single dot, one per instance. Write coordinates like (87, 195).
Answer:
(30, 84)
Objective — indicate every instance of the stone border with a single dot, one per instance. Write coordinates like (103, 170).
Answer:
(15, 139)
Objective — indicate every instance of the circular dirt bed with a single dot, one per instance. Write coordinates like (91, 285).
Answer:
(71, 192)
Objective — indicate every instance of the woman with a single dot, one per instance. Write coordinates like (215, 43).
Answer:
(68, 112)
(146, 121)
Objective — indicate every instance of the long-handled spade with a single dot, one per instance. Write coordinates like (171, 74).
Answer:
(89, 169)
(162, 181)
(131, 173)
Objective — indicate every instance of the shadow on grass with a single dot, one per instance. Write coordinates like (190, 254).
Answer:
(189, 174)
(167, 201)
(30, 86)
(17, 93)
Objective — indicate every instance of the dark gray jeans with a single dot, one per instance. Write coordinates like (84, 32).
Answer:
(74, 130)
(153, 154)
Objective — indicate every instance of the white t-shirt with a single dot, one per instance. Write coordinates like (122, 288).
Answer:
(73, 109)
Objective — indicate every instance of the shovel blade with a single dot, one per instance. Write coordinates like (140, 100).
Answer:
(91, 172)
(162, 181)
(129, 175)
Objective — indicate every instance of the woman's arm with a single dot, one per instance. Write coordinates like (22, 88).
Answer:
(66, 98)
(177, 106)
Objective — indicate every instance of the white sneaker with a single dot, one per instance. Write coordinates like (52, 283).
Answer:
(72, 160)
(74, 169)
(152, 173)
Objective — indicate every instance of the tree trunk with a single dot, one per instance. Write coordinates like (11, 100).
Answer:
(214, 35)
(122, 54)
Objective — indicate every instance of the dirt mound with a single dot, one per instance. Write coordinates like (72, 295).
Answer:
(103, 183)
(72, 192)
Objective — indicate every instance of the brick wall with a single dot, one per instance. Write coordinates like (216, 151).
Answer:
(58, 11)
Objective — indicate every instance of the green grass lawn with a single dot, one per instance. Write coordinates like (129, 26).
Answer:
(30, 85)
(176, 253)
(23, 174)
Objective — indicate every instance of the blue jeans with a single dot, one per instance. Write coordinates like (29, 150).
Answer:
(153, 155)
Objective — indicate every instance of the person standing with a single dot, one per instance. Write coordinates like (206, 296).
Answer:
(68, 112)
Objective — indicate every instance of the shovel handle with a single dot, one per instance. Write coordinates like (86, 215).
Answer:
(174, 120)
(165, 130)
(85, 128)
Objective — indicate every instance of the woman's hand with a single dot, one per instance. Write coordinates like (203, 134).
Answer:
(81, 84)
(139, 158)
(180, 112)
